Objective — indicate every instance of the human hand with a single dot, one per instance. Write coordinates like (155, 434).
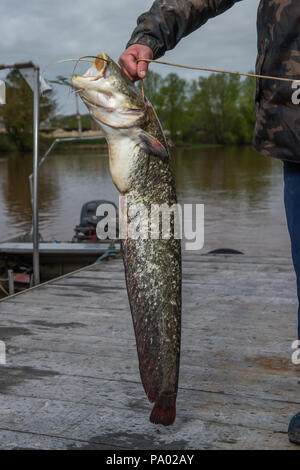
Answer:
(128, 61)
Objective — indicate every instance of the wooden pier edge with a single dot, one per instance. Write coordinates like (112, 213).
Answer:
(71, 376)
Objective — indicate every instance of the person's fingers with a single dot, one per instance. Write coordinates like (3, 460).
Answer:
(129, 65)
(134, 69)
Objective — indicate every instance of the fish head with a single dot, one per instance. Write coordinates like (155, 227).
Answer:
(110, 96)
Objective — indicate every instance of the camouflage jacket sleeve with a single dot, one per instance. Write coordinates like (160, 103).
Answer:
(168, 21)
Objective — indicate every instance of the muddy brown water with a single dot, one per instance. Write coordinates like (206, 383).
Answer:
(242, 193)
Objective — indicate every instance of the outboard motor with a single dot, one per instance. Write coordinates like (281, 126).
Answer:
(86, 230)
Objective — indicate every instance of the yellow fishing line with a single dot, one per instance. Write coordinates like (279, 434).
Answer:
(204, 69)
(190, 67)
(81, 59)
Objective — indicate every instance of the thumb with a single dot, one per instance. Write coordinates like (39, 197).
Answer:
(142, 68)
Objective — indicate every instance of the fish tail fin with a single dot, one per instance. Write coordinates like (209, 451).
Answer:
(161, 415)
(164, 410)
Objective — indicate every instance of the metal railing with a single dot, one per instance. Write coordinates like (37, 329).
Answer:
(35, 86)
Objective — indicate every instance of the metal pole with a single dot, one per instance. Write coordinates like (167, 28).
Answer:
(11, 285)
(78, 117)
(35, 218)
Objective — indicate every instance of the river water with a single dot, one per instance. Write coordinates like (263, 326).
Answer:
(242, 193)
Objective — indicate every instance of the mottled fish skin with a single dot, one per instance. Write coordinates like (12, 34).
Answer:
(140, 169)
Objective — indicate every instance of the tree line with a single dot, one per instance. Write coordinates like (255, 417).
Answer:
(218, 109)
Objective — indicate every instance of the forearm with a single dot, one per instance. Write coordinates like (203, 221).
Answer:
(168, 21)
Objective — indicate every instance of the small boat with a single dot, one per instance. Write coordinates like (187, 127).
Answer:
(56, 257)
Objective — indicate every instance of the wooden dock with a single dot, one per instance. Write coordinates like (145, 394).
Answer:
(71, 380)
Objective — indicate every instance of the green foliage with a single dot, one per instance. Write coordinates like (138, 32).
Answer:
(17, 114)
(153, 84)
(247, 108)
(169, 97)
(218, 109)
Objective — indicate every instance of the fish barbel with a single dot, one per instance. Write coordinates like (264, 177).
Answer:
(139, 163)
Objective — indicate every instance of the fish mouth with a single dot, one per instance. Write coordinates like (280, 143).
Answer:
(105, 97)
(100, 68)
(102, 64)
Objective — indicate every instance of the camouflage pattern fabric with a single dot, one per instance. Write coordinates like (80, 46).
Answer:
(277, 131)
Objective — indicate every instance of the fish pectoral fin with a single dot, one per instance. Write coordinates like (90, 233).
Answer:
(152, 146)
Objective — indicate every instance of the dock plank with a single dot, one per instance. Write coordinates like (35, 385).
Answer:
(72, 381)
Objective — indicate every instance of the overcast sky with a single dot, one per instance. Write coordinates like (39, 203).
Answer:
(49, 30)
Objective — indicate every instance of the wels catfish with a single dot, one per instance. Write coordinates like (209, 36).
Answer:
(139, 163)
